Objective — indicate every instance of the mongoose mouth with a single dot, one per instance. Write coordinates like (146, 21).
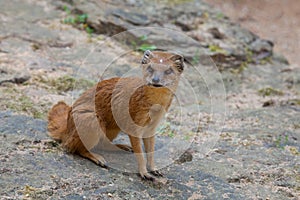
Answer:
(156, 85)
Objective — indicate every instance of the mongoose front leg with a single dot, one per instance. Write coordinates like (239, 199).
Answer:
(149, 144)
(137, 149)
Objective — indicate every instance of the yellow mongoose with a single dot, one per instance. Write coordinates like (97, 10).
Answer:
(101, 111)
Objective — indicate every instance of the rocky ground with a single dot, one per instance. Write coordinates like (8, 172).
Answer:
(239, 137)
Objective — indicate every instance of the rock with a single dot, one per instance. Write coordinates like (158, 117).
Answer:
(21, 78)
(60, 173)
(216, 33)
(185, 23)
(257, 148)
(280, 58)
(259, 45)
(191, 17)
(133, 18)
(12, 76)
(261, 49)
(268, 103)
(185, 157)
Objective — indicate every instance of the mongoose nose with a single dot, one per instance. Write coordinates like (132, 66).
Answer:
(155, 80)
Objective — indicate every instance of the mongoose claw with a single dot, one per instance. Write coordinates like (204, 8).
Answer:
(156, 173)
(100, 160)
(125, 147)
(147, 177)
(96, 158)
(103, 165)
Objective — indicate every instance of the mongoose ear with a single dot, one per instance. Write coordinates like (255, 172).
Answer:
(147, 56)
(178, 61)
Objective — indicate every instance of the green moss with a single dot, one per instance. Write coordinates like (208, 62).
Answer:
(189, 136)
(220, 15)
(249, 55)
(269, 91)
(145, 47)
(78, 20)
(196, 58)
(216, 48)
(23, 103)
(282, 141)
(240, 69)
(294, 151)
(141, 44)
(67, 83)
(265, 60)
(294, 102)
(16, 100)
(173, 2)
(165, 130)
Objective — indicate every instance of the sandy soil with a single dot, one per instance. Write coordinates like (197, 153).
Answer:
(275, 20)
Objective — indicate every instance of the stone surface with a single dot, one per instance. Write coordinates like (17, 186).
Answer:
(13, 76)
(226, 144)
(194, 18)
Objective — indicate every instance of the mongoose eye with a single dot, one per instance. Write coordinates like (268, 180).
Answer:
(169, 71)
(150, 70)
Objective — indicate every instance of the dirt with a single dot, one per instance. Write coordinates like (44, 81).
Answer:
(237, 138)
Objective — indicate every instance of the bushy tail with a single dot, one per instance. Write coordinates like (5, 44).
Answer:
(57, 120)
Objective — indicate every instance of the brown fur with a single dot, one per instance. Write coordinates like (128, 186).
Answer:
(57, 118)
(99, 114)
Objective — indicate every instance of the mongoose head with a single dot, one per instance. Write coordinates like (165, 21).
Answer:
(162, 69)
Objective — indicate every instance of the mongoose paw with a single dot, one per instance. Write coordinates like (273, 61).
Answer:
(98, 159)
(102, 164)
(156, 173)
(125, 147)
(147, 177)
